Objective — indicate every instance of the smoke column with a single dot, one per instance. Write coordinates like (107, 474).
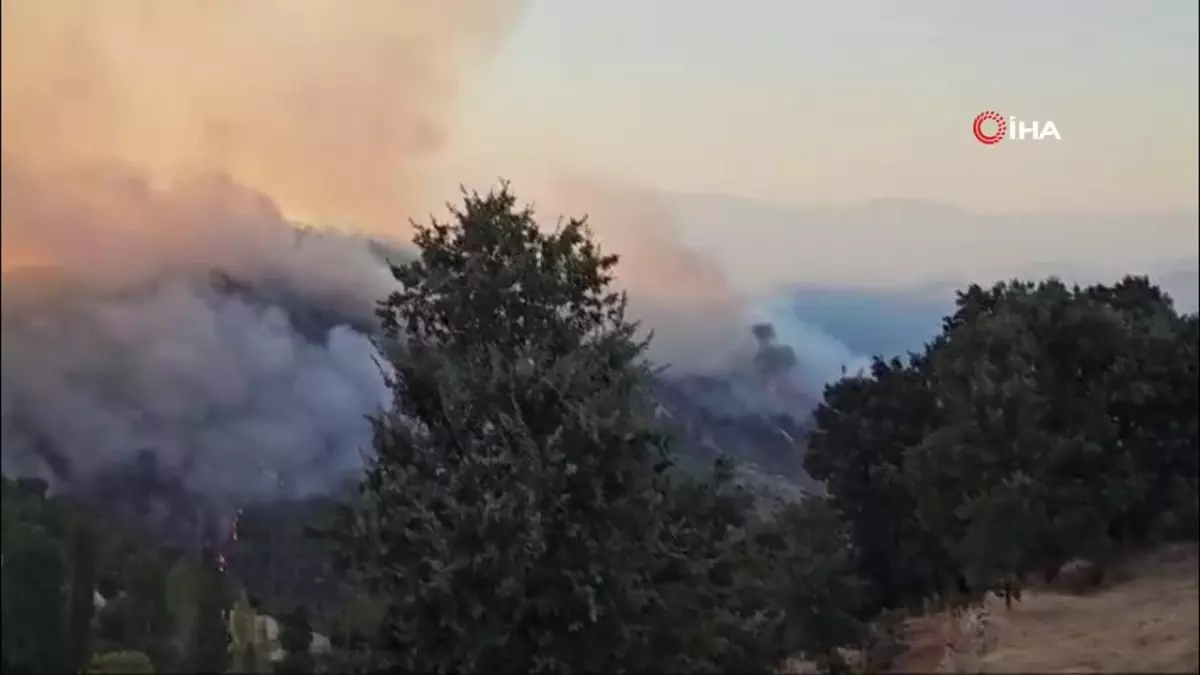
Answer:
(147, 144)
(699, 321)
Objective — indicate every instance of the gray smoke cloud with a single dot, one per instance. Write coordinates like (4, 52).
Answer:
(192, 319)
(148, 145)
(251, 383)
(156, 298)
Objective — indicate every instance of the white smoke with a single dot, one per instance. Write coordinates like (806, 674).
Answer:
(115, 339)
(821, 358)
(228, 390)
(242, 394)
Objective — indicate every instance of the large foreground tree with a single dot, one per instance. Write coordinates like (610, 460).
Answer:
(519, 513)
(512, 515)
(861, 436)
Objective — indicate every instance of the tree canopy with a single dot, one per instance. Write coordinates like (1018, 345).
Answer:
(520, 512)
(1046, 422)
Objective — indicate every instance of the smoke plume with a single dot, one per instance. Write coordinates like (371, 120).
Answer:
(148, 145)
(328, 107)
(161, 312)
(155, 354)
(699, 321)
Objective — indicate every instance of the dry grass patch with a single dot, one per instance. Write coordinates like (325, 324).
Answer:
(1146, 622)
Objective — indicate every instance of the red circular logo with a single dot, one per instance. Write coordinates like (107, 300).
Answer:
(986, 138)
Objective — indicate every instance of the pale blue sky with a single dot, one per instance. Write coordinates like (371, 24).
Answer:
(805, 101)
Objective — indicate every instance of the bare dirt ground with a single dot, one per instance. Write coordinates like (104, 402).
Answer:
(1148, 622)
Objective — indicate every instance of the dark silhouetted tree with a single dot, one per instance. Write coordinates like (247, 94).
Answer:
(296, 637)
(861, 435)
(209, 648)
(82, 598)
(34, 617)
(519, 514)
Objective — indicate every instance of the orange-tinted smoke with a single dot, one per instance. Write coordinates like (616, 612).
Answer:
(327, 111)
(330, 107)
(685, 298)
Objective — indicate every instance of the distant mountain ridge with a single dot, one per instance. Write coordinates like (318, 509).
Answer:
(903, 243)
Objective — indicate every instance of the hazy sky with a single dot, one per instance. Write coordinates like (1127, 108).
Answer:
(808, 101)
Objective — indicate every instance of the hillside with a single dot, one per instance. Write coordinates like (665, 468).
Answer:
(1146, 621)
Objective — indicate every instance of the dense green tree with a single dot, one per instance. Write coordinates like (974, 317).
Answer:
(275, 556)
(727, 614)
(816, 561)
(804, 558)
(209, 646)
(182, 596)
(519, 513)
(144, 610)
(1154, 402)
(1045, 422)
(1064, 429)
(352, 631)
(296, 637)
(860, 438)
(82, 597)
(34, 617)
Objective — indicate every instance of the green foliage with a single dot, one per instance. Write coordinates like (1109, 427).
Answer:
(182, 588)
(863, 432)
(813, 572)
(145, 615)
(519, 513)
(352, 632)
(782, 586)
(296, 639)
(1057, 394)
(275, 556)
(34, 612)
(209, 648)
(493, 282)
(1045, 423)
(82, 599)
